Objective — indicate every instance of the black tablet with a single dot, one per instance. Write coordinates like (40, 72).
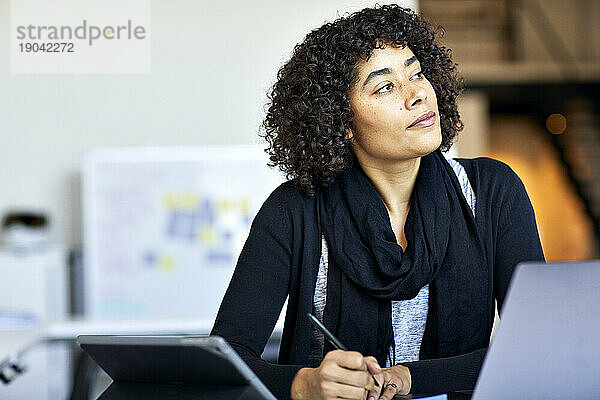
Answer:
(172, 360)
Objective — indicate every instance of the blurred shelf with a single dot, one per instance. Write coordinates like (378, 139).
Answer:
(500, 73)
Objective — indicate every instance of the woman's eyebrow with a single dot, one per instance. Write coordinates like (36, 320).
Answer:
(385, 71)
(409, 61)
(382, 71)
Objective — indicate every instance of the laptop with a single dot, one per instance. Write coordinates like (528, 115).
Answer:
(182, 367)
(547, 345)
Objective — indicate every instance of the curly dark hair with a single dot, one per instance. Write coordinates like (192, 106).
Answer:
(309, 109)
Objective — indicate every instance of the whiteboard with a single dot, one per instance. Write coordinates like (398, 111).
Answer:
(163, 227)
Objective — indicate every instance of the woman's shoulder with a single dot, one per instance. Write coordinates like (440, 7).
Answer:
(285, 210)
(486, 165)
(289, 198)
(494, 182)
(489, 171)
(288, 191)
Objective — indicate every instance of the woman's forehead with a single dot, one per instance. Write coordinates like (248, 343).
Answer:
(386, 57)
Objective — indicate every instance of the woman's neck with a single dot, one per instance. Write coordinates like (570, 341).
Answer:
(393, 182)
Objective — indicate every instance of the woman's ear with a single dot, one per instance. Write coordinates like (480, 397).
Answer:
(349, 134)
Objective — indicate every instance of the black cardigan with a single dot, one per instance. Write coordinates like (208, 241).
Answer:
(281, 256)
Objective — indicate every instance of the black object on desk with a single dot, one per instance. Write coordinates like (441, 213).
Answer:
(127, 391)
(182, 367)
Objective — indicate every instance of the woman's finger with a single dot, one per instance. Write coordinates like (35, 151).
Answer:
(389, 391)
(374, 393)
(335, 389)
(338, 374)
(350, 360)
(377, 372)
(373, 365)
(400, 375)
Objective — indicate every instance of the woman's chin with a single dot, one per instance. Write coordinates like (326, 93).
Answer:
(428, 144)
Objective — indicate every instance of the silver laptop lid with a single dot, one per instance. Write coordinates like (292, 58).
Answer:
(548, 342)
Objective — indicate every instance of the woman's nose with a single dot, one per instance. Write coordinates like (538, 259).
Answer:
(415, 94)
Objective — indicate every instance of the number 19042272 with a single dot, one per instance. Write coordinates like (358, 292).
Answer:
(47, 47)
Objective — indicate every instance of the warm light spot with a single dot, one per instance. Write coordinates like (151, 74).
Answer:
(556, 124)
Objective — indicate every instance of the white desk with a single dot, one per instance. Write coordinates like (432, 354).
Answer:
(14, 343)
(69, 329)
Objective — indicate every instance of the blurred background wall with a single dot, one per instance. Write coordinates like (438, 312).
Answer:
(212, 63)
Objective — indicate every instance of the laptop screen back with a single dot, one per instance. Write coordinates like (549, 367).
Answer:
(548, 341)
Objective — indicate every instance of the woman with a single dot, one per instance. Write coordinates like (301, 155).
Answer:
(398, 251)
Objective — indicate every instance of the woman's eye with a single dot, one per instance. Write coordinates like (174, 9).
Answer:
(419, 75)
(382, 91)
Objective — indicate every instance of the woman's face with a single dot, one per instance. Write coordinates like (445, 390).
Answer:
(390, 95)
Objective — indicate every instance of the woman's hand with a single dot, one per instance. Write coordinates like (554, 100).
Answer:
(396, 380)
(341, 374)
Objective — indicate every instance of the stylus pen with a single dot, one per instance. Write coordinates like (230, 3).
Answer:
(333, 340)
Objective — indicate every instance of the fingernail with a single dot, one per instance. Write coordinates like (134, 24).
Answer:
(377, 367)
(371, 398)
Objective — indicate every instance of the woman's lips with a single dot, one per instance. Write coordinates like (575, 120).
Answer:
(430, 120)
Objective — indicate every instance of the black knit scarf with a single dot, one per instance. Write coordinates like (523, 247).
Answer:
(368, 269)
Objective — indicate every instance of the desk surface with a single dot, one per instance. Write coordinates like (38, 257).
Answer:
(451, 396)
(49, 372)
(161, 392)
(14, 342)
(69, 329)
